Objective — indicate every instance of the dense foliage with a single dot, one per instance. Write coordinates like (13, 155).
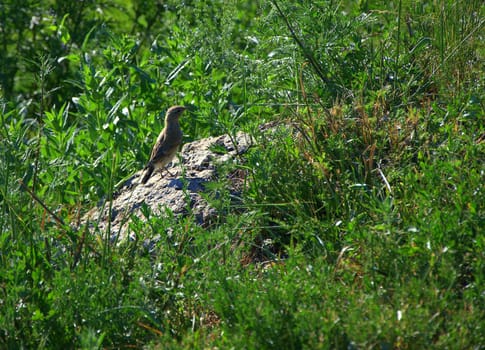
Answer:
(362, 216)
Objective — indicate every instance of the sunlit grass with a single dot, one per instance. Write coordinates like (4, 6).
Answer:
(360, 223)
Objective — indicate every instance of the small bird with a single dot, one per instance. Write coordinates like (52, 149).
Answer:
(167, 143)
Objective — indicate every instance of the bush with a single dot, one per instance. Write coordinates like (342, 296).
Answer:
(361, 214)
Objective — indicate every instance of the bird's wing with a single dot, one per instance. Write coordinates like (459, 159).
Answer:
(164, 151)
(157, 146)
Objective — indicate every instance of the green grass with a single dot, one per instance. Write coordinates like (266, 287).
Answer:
(362, 214)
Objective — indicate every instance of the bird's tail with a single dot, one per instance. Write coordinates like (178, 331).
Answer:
(148, 173)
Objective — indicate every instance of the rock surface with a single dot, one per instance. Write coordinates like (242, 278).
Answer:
(179, 190)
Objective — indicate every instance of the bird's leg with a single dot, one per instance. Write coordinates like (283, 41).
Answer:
(172, 175)
(166, 169)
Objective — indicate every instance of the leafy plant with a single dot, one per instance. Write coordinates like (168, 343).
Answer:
(360, 220)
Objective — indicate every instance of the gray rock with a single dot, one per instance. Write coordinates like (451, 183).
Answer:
(179, 191)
